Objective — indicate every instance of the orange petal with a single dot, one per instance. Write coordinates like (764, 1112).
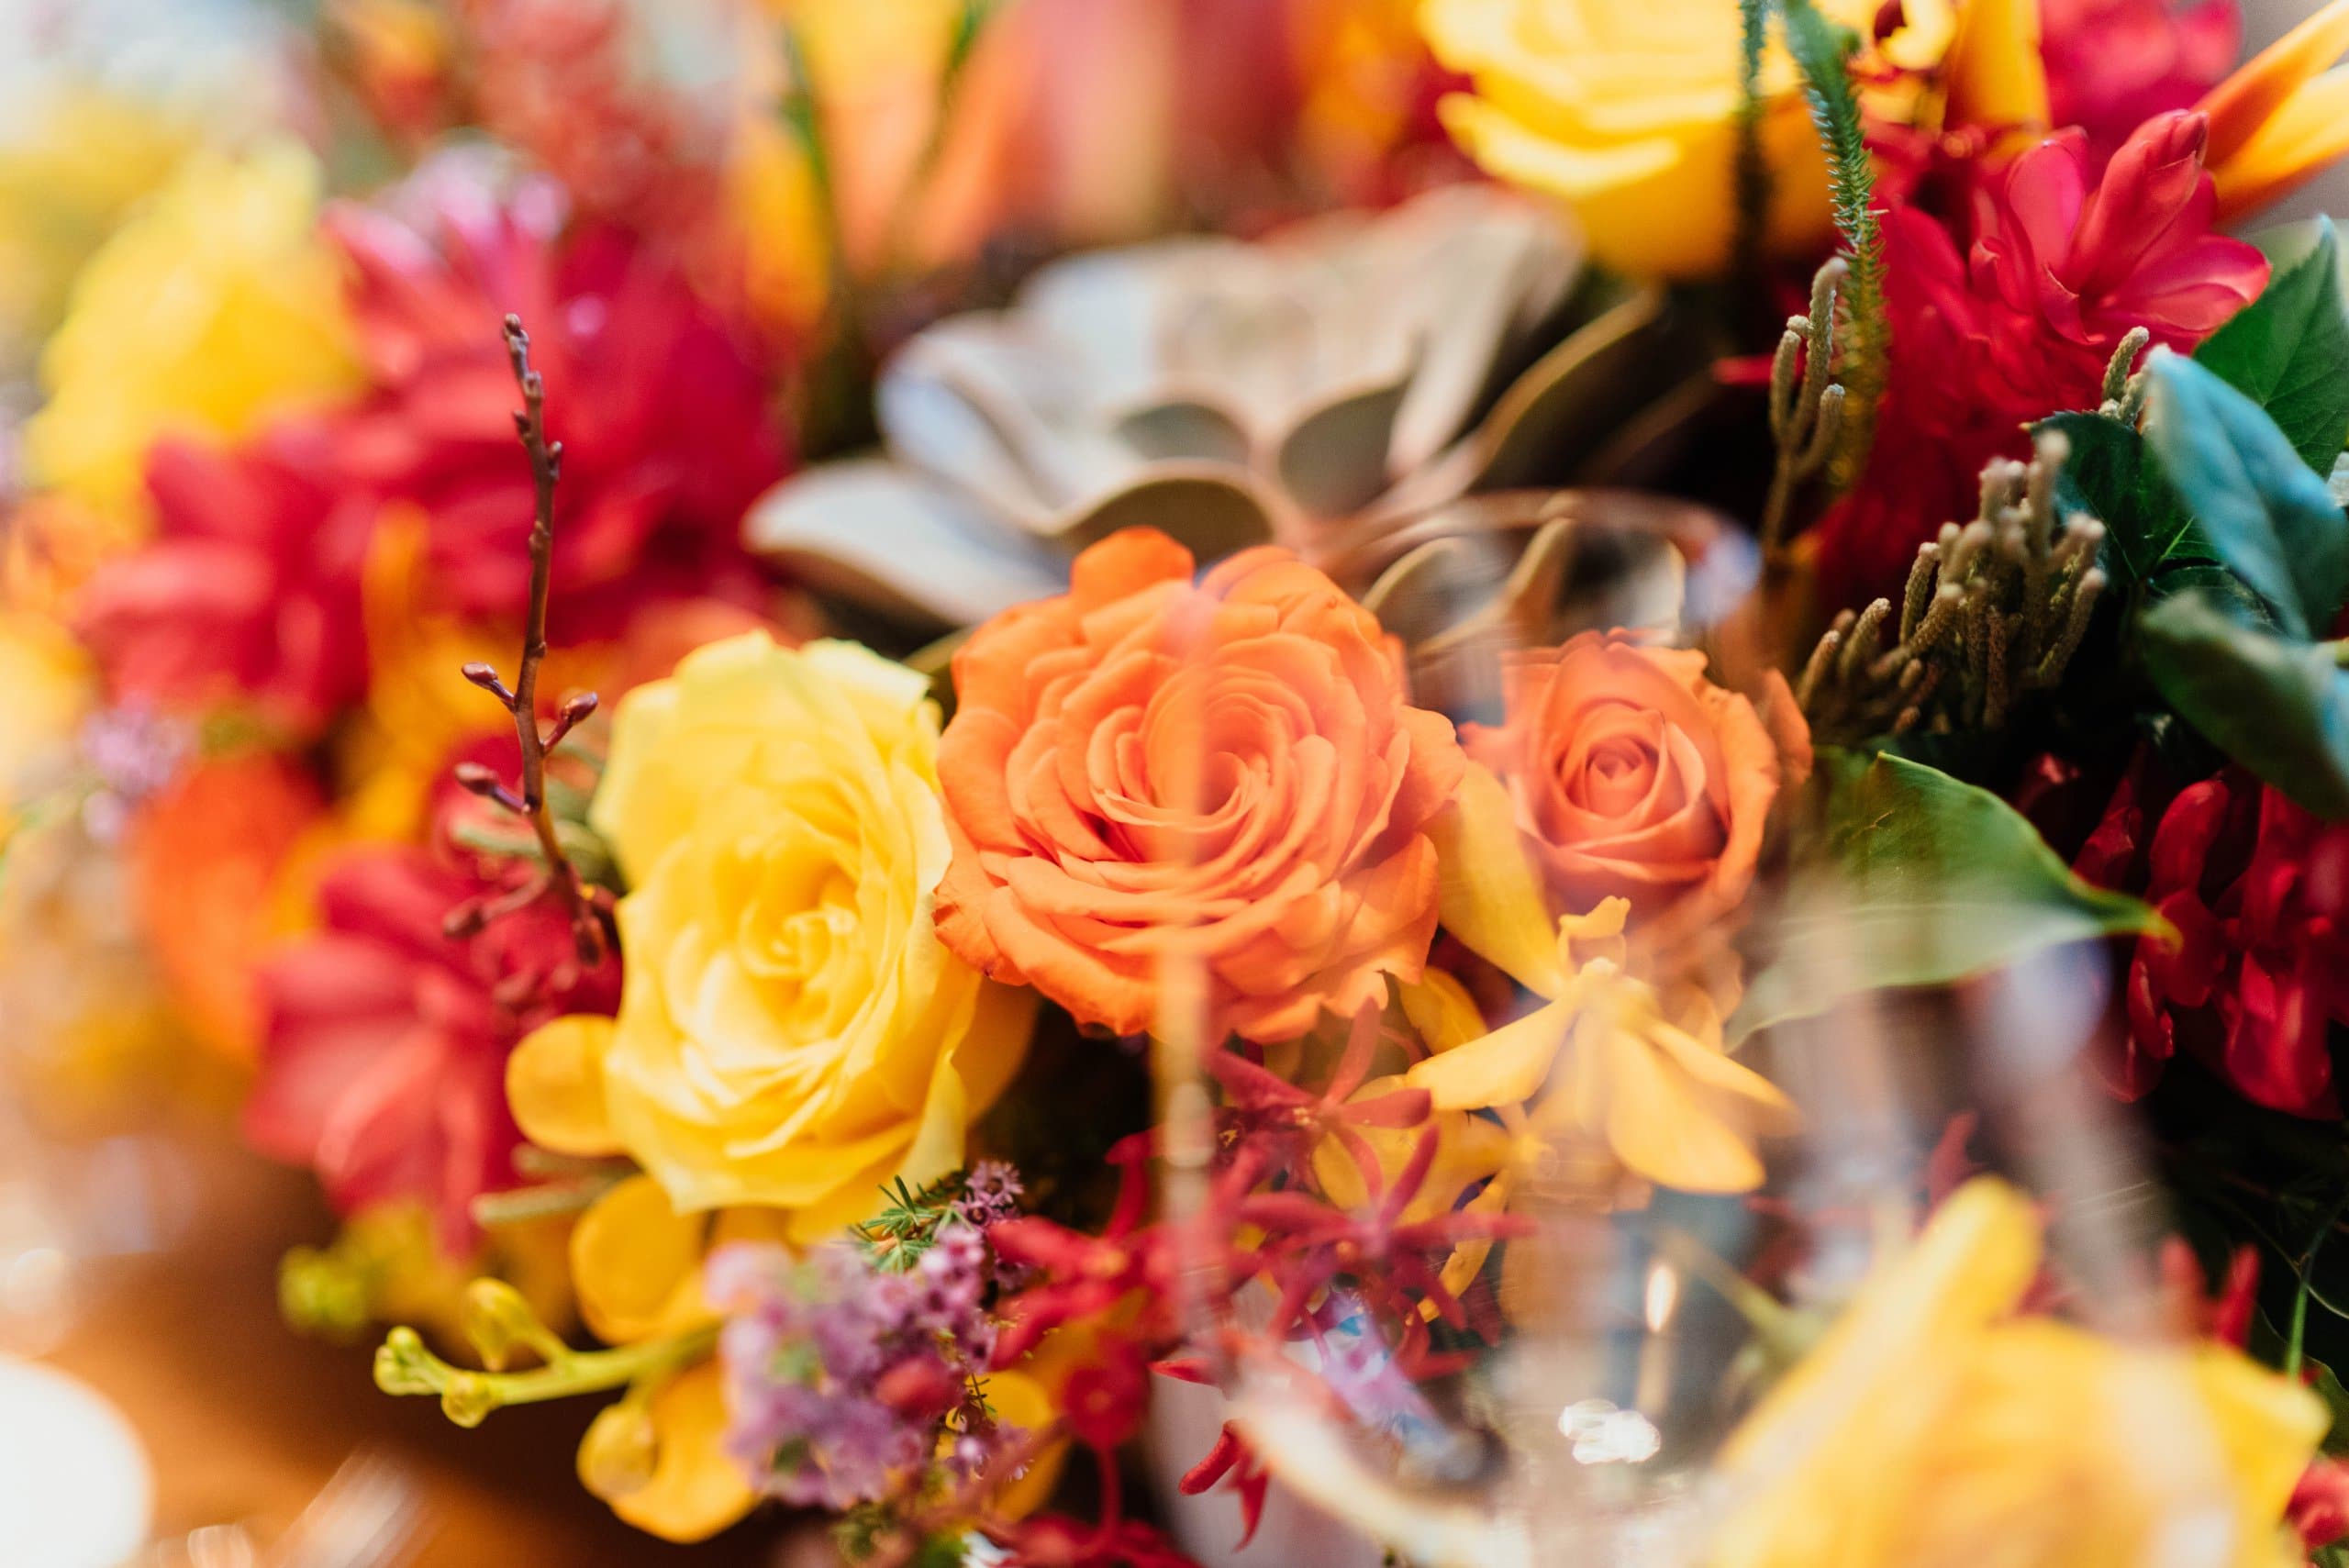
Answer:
(2239, 106)
(554, 1082)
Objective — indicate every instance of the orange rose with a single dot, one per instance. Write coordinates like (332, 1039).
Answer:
(1633, 775)
(1144, 768)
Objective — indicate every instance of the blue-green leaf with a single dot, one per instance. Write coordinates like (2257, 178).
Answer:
(2279, 707)
(1920, 879)
(2265, 515)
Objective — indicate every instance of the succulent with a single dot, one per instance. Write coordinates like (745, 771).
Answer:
(1323, 387)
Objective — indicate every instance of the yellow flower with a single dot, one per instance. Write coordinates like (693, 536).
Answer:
(1931, 1429)
(215, 306)
(1607, 1064)
(1628, 113)
(2282, 116)
(791, 1032)
(84, 156)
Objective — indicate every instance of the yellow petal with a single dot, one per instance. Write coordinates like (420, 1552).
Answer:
(1972, 1265)
(636, 1262)
(2306, 132)
(697, 1488)
(1506, 1067)
(1490, 894)
(1441, 1012)
(1021, 1399)
(1995, 72)
(554, 1082)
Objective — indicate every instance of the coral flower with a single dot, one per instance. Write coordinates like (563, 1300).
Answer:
(662, 410)
(1933, 1427)
(1143, 771)
(249, 594)
(1633, 775)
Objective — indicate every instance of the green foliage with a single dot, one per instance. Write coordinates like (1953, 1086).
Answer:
(1822, 48)
(2289, 350)
(2277, 706)
(2264, 513)
(1919, 879)
(908, 1227)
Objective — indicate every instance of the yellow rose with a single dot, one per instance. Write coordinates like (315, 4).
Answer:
(214, 307)
(792, 1034)
(1932, 1429)
(1629, 112)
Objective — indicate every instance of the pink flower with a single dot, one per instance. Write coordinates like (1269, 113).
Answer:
(248, 591)
(2112, 65)
(384, 1041)
(2258, 891)
(2061, 264)
(662, 412)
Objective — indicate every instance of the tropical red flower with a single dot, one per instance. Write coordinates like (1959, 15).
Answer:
(662, 410)
(2259, 892)
(2061, 264)
(385, 1040)
(2113, 64)
(248, 594)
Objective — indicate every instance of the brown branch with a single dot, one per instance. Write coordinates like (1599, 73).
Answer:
(557, 878)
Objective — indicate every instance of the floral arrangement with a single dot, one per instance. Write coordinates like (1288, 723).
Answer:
(886, 727)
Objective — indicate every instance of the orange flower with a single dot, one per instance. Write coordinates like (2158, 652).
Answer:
(1632, 775)
(2283, 116)
(1229, 775)
(209, 858)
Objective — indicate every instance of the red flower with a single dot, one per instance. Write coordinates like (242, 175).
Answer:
(662, 414)
(2258, 891)
(1056, 1541)
(2060, 265)
(2112, 65)
(384, 1041)
(248, 591)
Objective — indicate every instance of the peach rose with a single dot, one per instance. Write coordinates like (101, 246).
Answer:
(1633, 775)
(1230, 772)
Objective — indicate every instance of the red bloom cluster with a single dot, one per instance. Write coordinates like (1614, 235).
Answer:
(1263, 1223)
(385, 1039)
(248, 591)
(2258, 891)
(662, 410)
(2013, 311)
(2113, 64)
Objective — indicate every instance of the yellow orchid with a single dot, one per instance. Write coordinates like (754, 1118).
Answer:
(214, 307)
(2282, 116)
(1607, 1062)
(1932, 1429)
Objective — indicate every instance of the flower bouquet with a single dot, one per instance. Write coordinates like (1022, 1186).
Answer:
(1055, 779)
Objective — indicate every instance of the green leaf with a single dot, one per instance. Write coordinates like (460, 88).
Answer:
(2289, 350)
(2279, 707)
(2111, 476)
(1920, 880)
(2265, 515)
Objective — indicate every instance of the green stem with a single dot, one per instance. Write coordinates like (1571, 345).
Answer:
(1752, 174)
(403, 1365)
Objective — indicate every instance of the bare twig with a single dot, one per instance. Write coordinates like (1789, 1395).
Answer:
(556, 877)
